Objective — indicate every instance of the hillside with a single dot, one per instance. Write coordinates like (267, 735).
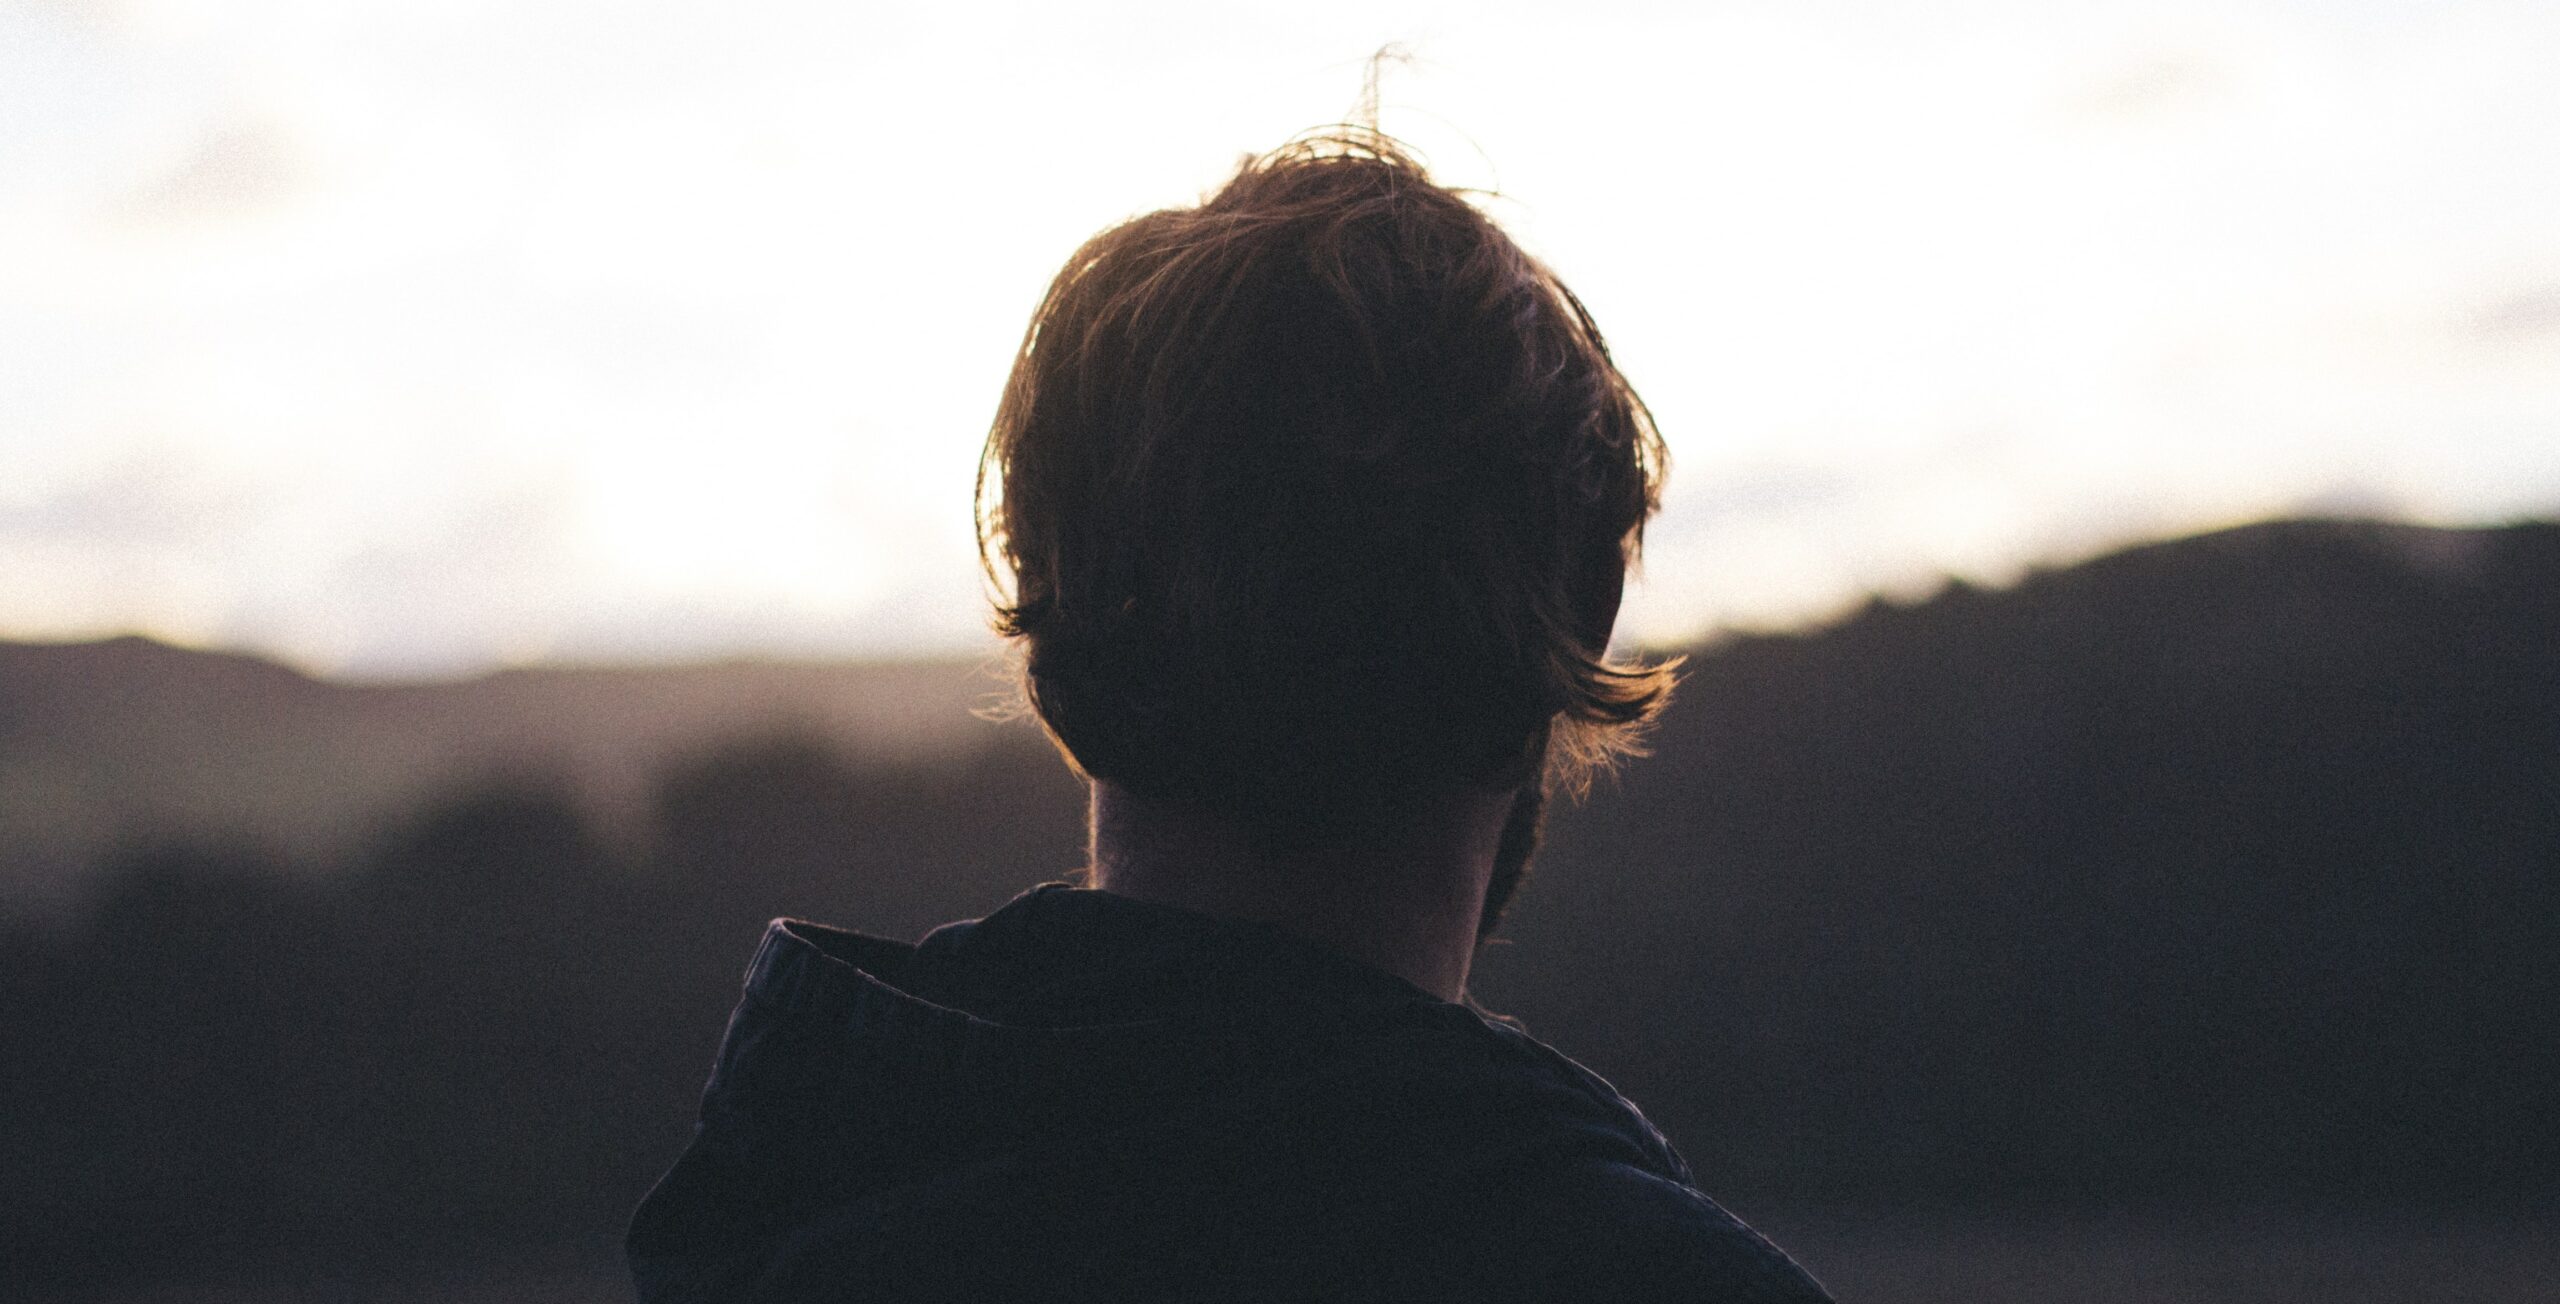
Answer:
(127, 739)
(2220, 873)
(108, 742)
(2278, 806)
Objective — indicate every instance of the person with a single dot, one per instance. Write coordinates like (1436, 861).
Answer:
(1311, 507)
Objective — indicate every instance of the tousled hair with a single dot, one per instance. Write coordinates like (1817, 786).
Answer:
(1313, 502)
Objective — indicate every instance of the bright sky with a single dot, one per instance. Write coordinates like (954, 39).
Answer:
(400, 336)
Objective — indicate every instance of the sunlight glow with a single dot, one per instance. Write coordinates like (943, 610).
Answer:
(401, 337)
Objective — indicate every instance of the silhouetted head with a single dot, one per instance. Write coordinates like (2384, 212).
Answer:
(1315, 501)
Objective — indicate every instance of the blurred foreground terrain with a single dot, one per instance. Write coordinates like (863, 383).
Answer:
(2184, 925)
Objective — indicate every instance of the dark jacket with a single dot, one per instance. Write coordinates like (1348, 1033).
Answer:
(1084, 1096)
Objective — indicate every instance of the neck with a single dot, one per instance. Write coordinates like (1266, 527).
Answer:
(1408, 902)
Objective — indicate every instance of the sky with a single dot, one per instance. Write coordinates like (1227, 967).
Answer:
(419, 337)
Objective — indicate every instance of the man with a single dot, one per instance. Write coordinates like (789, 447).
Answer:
(1314, 502)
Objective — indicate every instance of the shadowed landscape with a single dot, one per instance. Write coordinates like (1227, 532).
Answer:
(2186, 921)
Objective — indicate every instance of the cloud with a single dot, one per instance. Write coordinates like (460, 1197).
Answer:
(1775, 488)
(2528, 312)
(235, 169)
(2156, 83)
(91, 15)
(489, 575)
(139, 503)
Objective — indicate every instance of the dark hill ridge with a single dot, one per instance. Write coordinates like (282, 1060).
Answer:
(2217, 873)
(2276, 807)
(108, 741)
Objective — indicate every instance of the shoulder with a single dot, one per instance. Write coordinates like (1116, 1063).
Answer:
(1589, 1203)
(1593, 1232)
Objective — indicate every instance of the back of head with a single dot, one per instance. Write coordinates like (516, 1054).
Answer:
(1316, 500)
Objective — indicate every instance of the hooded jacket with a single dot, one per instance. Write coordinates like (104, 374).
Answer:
(1083, 1096)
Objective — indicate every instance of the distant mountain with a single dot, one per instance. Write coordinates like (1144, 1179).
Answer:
(2246, 845)
(2213, 874)
(125, 739)
(128, 739)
